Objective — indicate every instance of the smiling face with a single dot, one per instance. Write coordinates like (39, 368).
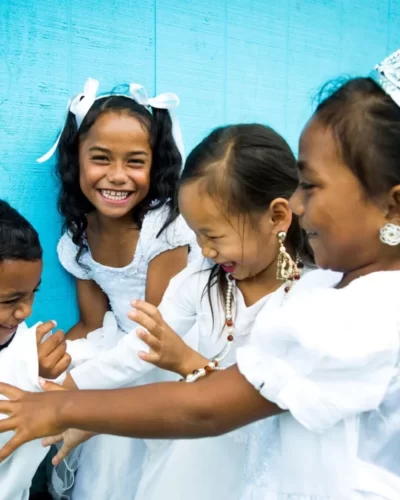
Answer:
(114, 164)
(19, 280)
(341, 221)
(242, 246)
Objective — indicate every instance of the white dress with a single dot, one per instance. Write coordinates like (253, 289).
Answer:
(331, 358)
(110, 466)
(19, 367)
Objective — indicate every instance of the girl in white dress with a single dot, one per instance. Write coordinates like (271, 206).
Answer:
(118, 165)
(241, 232)
(328, 361)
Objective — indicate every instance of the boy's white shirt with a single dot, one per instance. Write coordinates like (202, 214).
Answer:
(19, 366)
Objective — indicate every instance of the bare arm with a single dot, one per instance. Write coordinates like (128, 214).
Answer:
(161, 270)
(216, 405)
(93, 304)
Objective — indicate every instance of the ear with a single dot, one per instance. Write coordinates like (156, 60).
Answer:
(280, 215)
(393, 205)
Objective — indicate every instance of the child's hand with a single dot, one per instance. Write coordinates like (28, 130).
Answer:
(167, 349)
(71, 439)
(30, 415)
(53, 359)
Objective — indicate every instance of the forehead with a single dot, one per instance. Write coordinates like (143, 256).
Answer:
(319, 151)
(19, 276)
(117, 128)
(199, 208)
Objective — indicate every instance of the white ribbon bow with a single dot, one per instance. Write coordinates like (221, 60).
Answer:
(387, 76)
(81, 104)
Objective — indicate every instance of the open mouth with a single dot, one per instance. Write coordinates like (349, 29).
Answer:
(311, 234)
(115, 196)
(9, 328)
(228, 267)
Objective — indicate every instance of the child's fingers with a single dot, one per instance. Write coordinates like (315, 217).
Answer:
(144, 320)
(43, 330)
(52, 343)
(150, 357)
(147, 308)
(60, 455)
(63, 364)
(149, 339)
(10, 392)
(14, 443)
(72, 438)
(48, 386)
(52, 440)
(53, 358)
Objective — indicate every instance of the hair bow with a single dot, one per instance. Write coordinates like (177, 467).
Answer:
(80, 105)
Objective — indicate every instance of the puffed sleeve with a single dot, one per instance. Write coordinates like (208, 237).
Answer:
(327, 354)
(67, 251)
(177, 234)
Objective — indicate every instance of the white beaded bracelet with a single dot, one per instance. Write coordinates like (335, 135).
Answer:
(212, 366)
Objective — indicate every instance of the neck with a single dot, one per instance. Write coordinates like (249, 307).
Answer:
(348, 277)
(103, 224)
(257, 287)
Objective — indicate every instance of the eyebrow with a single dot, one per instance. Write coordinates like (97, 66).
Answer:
(108, 151)
(18, 293)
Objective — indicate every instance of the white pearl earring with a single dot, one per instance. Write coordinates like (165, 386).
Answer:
(390, 235)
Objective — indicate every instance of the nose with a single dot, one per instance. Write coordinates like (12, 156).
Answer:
(116, 173)
(24, 310)
(206, 249)
(296, 203)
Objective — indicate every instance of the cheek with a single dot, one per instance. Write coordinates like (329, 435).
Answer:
(5, 313)
(141, 177)
(89, 174)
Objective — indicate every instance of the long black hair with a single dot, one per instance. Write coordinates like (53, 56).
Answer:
(259, 167)
(18, 238)
(164, 173)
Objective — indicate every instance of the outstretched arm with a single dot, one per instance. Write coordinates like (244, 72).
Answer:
(218, 404)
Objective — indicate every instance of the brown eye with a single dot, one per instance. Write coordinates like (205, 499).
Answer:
(100, 158)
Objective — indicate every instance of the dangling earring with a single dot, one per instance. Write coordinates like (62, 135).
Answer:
(287, 269)
(390, 234)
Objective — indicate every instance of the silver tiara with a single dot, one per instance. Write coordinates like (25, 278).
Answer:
(387, 76)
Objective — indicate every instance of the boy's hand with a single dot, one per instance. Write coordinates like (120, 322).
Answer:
(52, 355)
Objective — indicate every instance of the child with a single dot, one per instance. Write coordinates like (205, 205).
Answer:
(24, 354)
(119, 165)
(234, 194)
(328, 362)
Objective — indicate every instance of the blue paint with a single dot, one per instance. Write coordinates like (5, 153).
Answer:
(228, 60)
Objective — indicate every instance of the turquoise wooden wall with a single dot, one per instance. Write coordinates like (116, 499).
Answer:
(228, 60)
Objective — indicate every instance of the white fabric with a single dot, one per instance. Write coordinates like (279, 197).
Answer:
(330, 357)
(19, 367)
(108, 466)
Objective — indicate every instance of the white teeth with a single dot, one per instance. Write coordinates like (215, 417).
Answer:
(114, 195)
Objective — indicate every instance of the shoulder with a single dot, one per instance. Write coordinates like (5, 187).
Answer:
(155, 239)
(67, 252)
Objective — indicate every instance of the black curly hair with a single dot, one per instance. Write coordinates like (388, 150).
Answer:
(164, 174)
